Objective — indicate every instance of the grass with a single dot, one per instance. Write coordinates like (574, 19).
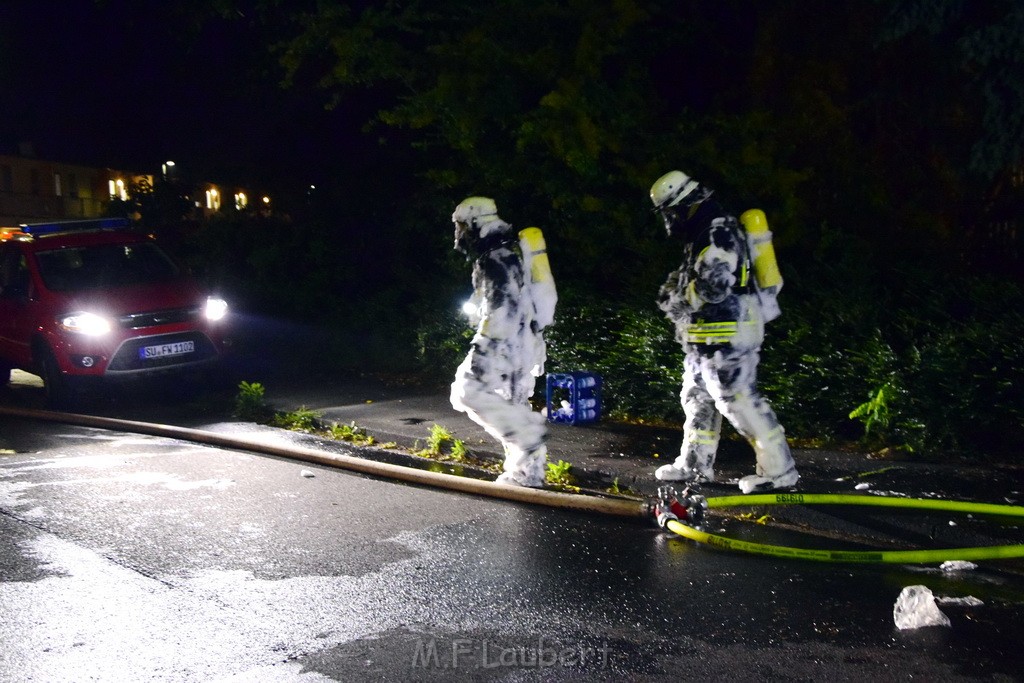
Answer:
(443, 447)
(250, 405)
(558, 475)
(617, 489)
(353, 433)
(301, 420)
(440, 444)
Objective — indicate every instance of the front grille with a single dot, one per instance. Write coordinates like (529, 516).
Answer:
(134, 321)
(127, 358)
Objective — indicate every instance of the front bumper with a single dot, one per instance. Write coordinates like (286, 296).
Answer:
(124, 358)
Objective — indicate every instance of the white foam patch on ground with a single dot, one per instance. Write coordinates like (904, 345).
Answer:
(97, 434)
(965, 601)
(12, 494)
(290, 672)
(170, 481)
(258, 434)
(16, 495)
(97, 461)
(103, 621)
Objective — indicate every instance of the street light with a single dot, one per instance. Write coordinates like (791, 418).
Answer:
(168, 166)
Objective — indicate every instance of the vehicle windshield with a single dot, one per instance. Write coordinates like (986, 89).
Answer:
(73, 269)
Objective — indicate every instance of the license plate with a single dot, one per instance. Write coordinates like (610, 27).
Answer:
(164, 350)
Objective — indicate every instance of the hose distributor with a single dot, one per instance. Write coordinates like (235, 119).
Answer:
(687, 507)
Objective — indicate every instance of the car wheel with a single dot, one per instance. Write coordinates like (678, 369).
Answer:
(58, 388)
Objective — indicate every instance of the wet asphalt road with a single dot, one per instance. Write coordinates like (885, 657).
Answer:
(127, 557)
(136, 558)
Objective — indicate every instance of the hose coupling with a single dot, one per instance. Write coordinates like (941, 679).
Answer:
(688, 507)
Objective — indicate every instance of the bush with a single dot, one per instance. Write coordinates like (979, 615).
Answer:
(964, 376)
(630, 345)
(845, 364)
(871, 346)
(441, 344)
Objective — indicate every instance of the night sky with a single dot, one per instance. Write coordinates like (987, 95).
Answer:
(131, 84)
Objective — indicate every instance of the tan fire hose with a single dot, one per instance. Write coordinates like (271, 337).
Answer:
(615, 506)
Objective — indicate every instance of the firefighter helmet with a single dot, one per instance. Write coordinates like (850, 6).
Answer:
(473, 208)
(671, 188)
(475, 218)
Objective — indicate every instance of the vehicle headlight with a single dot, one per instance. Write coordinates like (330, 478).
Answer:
(216, 308)
(86, 323)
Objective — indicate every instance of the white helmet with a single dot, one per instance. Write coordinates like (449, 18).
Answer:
(671, 188)
(473, 208)
(475, 219)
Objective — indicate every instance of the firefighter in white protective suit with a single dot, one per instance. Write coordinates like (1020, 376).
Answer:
(719, 308)
(513, 301)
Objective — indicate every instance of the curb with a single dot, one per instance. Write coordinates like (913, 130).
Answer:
(613, 506)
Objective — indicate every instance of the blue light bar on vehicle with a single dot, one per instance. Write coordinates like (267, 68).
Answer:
(71, 226)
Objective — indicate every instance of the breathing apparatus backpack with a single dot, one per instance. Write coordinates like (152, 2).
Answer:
(767, 278)
(540, 281)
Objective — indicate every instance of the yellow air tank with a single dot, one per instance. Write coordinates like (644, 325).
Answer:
(762, 252)
(542, 282)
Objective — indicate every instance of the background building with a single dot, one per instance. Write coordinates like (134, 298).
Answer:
(34, 190)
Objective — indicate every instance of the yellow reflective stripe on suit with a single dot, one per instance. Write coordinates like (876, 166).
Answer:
(714, 333)
(711, 333)
(703, 436)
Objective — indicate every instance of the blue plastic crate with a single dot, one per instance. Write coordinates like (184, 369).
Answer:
(574, 397)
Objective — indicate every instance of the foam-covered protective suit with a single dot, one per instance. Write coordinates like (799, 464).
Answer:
(719, 322)
(494, 383)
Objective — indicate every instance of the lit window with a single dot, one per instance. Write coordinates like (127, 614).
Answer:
(117, 189)
(241, 201)
(212, 199)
